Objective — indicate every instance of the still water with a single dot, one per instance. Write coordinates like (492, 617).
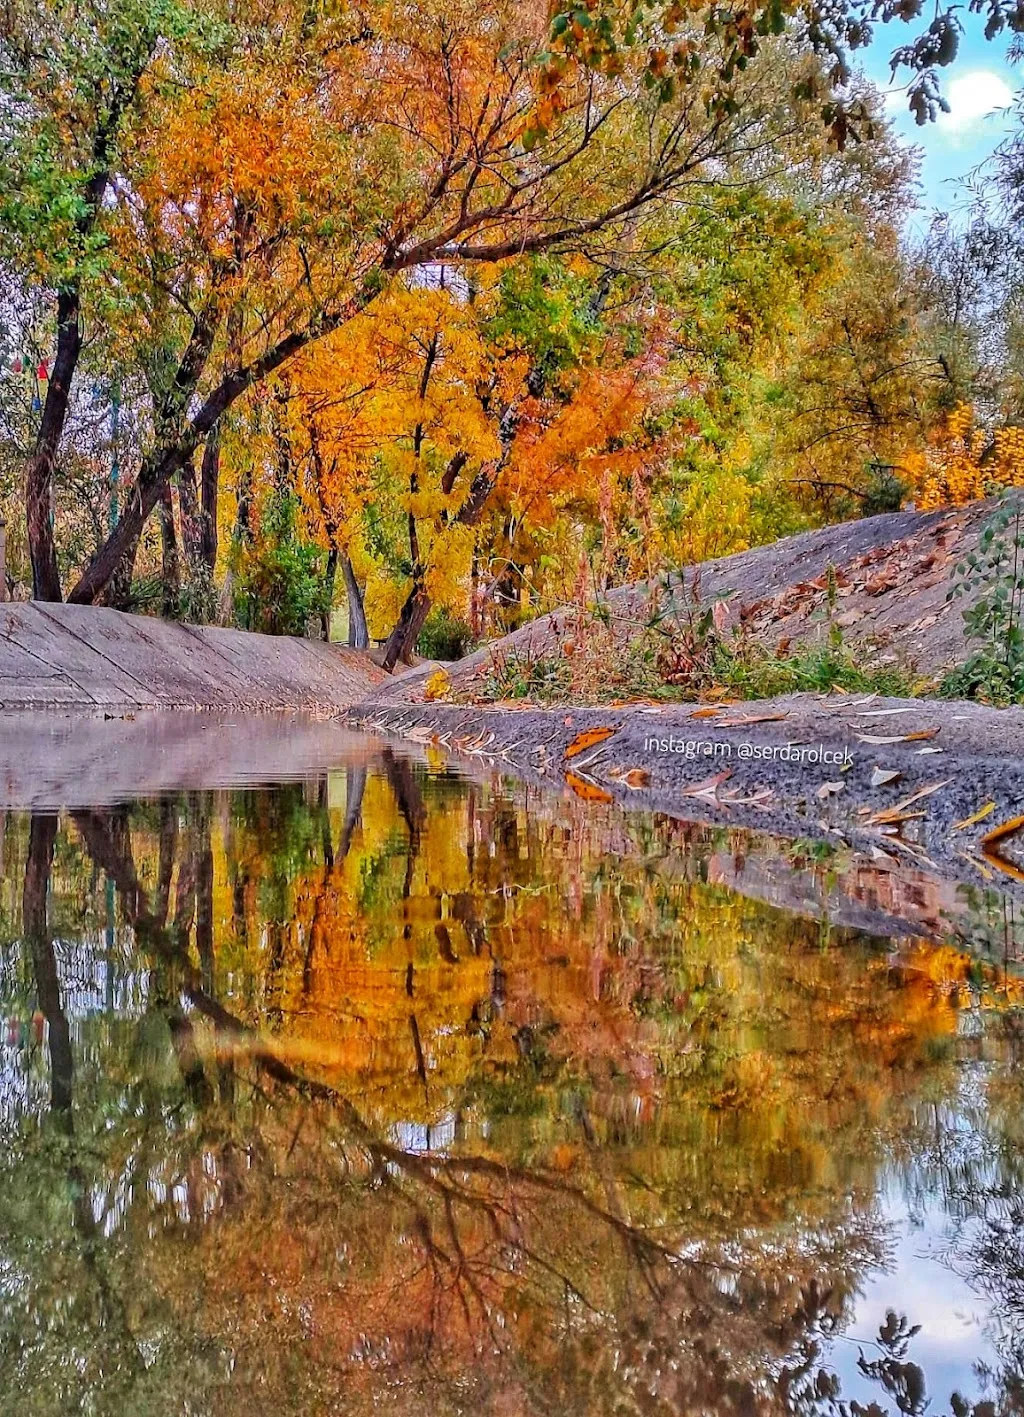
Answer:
(390, 1090)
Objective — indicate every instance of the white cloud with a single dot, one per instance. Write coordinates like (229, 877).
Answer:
(971, 98)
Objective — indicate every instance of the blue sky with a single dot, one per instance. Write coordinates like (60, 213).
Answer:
(977, 86)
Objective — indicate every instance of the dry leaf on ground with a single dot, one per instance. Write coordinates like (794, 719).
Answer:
(589, 738)
(978, 816)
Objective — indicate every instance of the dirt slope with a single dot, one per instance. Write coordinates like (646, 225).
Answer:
(893, 573)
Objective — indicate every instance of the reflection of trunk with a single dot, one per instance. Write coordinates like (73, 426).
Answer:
(410, 803)
(39, 474)
(204, 903)
(407, 795)
(358, 632)
(332, 571)
(107, 1305)
(355, 786)
(42, 836)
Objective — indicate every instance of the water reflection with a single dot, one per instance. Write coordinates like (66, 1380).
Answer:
(389, 1091)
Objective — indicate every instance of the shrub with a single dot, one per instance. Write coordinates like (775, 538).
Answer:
(994, 574)
(444, 636)
(280, 580)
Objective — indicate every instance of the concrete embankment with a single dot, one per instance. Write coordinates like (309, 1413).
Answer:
(935, 785)
(81, 657)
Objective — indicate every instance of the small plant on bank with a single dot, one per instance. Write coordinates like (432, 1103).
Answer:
(678, 652)
(993, 575)
(751, 672)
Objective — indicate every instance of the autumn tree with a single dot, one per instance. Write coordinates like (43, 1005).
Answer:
(543, 377)
(74, 80)
(268, 183)
(602, 33)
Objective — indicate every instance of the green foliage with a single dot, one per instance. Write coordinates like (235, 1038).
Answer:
(993, 575)
(444, 636)
(885, 490)
(72, 79)
(543, 678)
(280, 583)
(753, 673)
(549, 312)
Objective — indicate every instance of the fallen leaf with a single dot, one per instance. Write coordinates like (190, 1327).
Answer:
(746, 719)
(892, 818)
(978, 866)
(830, 789)
(637, 777)
(921, 752)
(978, 816)
(898, 813)
(709, 712)
(1001, 832)
(589, 738)
(899, 738)
(709, 786)
(589, 791)
(881, 776)
(761, 798)
(889, 713)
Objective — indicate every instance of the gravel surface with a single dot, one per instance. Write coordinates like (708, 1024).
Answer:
(896, 779)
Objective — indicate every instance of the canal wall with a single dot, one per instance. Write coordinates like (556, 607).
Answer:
(83, 657)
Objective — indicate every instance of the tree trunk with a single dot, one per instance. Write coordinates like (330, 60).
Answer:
(210, 488)
(402, 640)
(39, 473)
(241, 536)
(124, 539)
(196, 603)
(332, 571)
(191, 519)
(170, 566)
(117, 594)
(358, 632)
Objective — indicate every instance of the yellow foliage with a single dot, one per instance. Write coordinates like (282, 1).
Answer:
(438, 686)
(964, 462)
